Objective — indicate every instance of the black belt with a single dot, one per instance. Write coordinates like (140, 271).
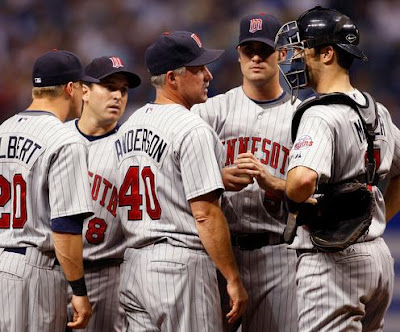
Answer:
(22, 251)
(251, 241)
(102, 262)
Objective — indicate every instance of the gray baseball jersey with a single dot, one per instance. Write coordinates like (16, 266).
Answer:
(43, 167)
(268, 273)
(103, 236)
(358, 281)
(166, 156)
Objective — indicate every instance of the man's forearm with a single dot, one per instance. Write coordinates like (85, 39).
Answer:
(69, 248)
(215, 236)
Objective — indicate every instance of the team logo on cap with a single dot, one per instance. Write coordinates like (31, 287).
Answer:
(196, 39)
(38, 80)
(116, 62)
(351, 38)
(255, 25)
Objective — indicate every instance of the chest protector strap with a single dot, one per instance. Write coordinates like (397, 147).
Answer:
(368, 128)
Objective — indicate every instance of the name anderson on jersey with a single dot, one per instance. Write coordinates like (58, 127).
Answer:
(20, 148)
(141, 139)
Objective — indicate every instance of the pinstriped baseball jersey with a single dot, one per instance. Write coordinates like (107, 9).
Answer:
(331, 142)
(102, 233)
(268, 272)
(43, 176)
(264, 129)
(166, 156)
(102, 236)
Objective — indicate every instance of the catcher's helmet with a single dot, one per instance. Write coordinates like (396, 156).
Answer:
(316, 27)
(323, 26)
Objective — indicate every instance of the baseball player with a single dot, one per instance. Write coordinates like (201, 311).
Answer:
(349, 290)
(253, 122)
(45, 196)
(104, 243)
(169, 180)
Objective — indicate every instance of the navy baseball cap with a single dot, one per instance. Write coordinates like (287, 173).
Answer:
(177, 49)
(105, 66)
(259, 27)
(58, 67)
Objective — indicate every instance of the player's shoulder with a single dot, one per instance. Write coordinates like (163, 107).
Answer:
(167, 116)
(220, 101)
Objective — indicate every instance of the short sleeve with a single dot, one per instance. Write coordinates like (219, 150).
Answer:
(201, 154)
(69, 188)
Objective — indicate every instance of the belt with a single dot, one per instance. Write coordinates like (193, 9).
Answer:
(22, 251)
(102, 262)
(251, 241)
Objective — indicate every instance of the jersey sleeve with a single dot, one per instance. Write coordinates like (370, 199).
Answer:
(314, 146)
(201, 162)
(69, 189)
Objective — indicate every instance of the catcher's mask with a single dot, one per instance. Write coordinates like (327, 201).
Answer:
(316, 27)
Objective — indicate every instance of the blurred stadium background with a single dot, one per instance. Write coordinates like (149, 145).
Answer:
(94, 28)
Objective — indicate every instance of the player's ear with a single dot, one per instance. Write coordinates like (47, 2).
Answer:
(327, 54)
(69, 89)
(170, 78)
(86, 92)
(282, 55)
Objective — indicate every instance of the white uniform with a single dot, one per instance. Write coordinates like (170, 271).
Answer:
(268, 272)
(43, 178)
(104, 242)
(167, 156)
(351, 289)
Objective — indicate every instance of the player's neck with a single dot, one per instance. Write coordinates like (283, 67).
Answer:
(263, 91)
(52, 105)
(92, 127)
(334, 81)
(167, 97)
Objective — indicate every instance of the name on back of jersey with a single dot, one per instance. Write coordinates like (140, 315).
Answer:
(380, 131)
(141, 141)
(21, 149)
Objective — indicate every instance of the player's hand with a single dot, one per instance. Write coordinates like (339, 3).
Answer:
(235, 179)
(249, 162)
(238, 300)
(82, 312)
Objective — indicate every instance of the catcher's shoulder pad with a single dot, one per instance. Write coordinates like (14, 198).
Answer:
(329, 99)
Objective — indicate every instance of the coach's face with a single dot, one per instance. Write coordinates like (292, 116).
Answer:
(193, 85)
(106, 101)
(258, 61)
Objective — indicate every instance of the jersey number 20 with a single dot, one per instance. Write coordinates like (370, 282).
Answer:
(129, 194)
(18, 201)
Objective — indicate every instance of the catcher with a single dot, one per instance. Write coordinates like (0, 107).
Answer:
(345, 144)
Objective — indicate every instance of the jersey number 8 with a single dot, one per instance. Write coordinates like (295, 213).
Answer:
(129, 194)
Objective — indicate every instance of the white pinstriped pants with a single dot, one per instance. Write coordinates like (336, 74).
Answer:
(345, 291)
(169, 288)
(33, 293)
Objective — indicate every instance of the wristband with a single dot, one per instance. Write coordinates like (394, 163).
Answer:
(291, 205)
(78, 287)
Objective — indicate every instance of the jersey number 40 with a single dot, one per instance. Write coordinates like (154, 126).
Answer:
(18, 196)
(129, 194)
